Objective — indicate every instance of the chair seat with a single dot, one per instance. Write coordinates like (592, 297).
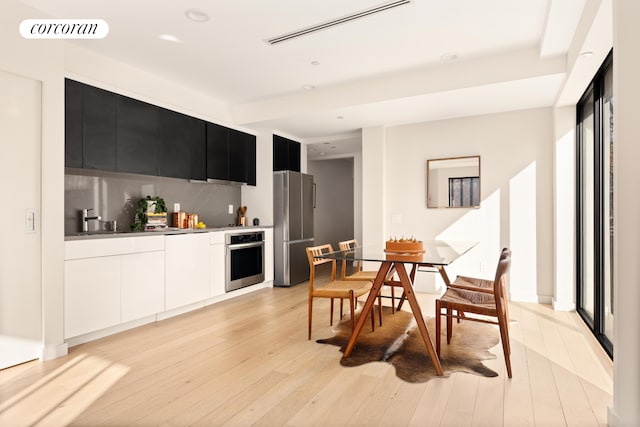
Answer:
(342, 289)
(362, 275)
(460, 296)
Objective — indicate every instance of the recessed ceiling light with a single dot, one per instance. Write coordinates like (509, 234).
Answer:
(322, 153)
(196, 15)
(586, 54)
(326, 143)
(169, 38)
(340, 117)
(332, 146)
(448, 57)
(315, 62)
(308, 87)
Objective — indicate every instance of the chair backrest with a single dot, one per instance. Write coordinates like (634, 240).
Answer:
(314, 251)
(499, 289)
(348, 245)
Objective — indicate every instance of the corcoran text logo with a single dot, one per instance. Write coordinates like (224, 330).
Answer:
(64, 29)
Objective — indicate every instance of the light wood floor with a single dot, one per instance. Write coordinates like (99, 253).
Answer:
(247, 362)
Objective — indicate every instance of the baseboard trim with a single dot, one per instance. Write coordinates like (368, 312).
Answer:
(533, 298)
(53, 351)
(563, 305)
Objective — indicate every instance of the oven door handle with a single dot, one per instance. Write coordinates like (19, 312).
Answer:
(244, 245)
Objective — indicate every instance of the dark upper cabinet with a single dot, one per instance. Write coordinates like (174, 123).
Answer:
(174, 152)
(237, 159)
(250, 154)
(137, 142)
(112, 132)
(98, 129)
(280, 153)
(72, 124)
(181, 146)
(294, 156)
(197, 131)
(217, 152)
(286, 154)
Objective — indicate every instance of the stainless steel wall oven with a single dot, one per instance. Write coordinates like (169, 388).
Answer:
(244, 259)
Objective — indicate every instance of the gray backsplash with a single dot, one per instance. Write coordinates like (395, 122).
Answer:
(113, 196)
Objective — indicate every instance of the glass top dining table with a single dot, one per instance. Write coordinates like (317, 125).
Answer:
(437, 254)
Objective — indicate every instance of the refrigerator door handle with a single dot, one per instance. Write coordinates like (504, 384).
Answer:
(314, 195)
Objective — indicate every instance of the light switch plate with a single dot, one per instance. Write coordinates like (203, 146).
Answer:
(30, 220)
(231, 209)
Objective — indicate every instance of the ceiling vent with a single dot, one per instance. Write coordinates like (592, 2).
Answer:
(334, 22)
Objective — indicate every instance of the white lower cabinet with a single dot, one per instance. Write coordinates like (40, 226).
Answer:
(91, 294)
(142, 285)
(111, 281)
(186, 269)
(217, 276)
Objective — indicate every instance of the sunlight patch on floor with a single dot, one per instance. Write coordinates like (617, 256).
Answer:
(61, 396)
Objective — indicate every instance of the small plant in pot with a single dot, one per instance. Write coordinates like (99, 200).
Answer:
(145, 205)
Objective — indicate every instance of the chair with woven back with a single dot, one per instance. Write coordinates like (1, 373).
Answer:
(359, 274)
(486, 298)
(342, 289)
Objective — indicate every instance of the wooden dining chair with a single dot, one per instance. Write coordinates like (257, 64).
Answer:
(467, 295)
(359, 274)
(342, 289)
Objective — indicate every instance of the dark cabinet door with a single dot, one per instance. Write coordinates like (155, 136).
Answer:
(286, 154)
(98, 129)
(250, 153)
(217, 152)
(181, 146)
(294, 156)
(237, 159)
(280, 153)
(72, 124)
(197, 132)
(137, 142)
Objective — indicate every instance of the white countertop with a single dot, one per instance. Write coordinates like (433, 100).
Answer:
(168, 231)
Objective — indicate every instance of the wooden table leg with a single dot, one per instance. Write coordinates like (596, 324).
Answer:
(417, 313)
(368, 306)
(443, 274)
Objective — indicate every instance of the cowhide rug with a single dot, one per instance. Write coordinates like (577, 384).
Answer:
(398, 341)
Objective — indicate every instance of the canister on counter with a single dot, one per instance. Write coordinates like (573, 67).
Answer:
(180, 219)
(193, 220)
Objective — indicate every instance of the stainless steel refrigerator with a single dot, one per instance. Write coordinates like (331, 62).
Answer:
(293, 204)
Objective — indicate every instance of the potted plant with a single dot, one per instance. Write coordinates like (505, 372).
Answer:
(143, 206)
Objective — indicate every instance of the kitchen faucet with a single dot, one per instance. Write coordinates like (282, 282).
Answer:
(86, 218)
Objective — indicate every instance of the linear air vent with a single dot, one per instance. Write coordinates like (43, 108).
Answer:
(332, 23)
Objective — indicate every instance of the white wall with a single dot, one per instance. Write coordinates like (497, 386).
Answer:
(42, 61)
(564, 173)
(259, 199)
(373, 185)
(516, 192)
(625, 410)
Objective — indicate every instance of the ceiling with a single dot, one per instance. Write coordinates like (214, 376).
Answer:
(427, 60)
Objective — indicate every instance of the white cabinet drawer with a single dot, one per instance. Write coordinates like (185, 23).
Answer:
(142, 285)
(92, 248)
(216, 237)
(186, 269)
